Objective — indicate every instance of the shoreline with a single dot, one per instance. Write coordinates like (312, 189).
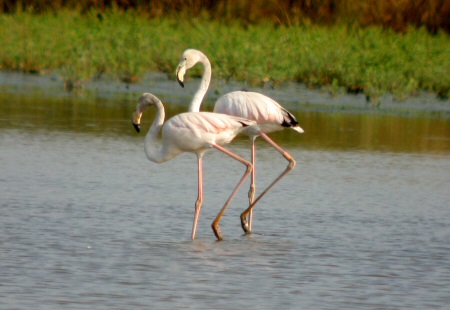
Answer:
(293, 96)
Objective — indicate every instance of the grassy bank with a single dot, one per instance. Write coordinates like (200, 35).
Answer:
(126, 45)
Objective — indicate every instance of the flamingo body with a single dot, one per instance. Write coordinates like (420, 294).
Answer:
(268, 113)
(198, 132)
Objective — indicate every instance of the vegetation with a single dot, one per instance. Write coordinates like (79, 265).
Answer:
(127, 43)
(394, 14)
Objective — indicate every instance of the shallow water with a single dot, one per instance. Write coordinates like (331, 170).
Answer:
(88, 223)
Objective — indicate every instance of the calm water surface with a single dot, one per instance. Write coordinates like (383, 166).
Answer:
(87, 222)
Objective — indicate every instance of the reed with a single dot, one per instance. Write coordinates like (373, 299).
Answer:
(127, 44)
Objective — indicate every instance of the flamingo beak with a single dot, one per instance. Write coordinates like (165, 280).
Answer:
(137, 121)
(181, 70)
(137, 127)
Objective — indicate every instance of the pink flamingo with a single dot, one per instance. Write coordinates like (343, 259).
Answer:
(196, 133)
(269, 115)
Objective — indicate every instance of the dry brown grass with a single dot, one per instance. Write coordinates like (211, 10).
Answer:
(394, 14)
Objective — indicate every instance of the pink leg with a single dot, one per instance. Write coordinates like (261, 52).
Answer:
(215, 224)
(252, 191)
(198, 203)
(290, 166)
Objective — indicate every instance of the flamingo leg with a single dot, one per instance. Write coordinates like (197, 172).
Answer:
(252, 191)
(215, 224)
(198, 203)
(291, 165)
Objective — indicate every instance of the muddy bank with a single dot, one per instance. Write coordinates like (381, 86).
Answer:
(293, 96)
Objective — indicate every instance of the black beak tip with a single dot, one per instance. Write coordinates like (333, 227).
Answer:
(137, 127)
(181, 83)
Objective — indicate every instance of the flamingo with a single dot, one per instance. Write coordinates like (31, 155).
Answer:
(196, 133)
(269, 115)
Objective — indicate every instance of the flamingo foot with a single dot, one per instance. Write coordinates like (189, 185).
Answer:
(217, 232)
(244, 224)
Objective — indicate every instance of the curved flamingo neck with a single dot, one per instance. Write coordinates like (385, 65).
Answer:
(203, 88)
(156, 154)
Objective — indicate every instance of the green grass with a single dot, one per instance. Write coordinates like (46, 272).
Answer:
(127, 45)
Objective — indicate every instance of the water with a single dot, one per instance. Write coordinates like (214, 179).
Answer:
(88, 223)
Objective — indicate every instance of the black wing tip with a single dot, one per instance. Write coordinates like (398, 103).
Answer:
(181, 83)
(244, 124)
(292, 123)
(289, 120)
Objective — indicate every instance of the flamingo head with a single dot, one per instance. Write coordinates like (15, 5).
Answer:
(144, 102)
(188, 60)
